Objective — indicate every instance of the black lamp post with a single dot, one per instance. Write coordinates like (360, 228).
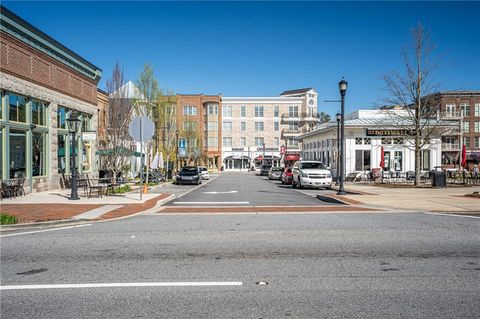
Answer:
(263, 158)
(338, 116)
(73, 124)
(342, 86)
(285, 156)
(176, 150)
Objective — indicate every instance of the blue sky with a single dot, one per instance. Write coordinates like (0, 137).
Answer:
(264, 48)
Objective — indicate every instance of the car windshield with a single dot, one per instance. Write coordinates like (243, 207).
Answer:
(203, 169)
(313, 165)
(276, 169)
(189, 171)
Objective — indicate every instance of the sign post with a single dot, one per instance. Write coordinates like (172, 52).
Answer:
(141, 129)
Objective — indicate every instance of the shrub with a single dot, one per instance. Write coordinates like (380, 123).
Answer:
(6, 219)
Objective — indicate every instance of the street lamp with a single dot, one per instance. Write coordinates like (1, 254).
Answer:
(338, 116)
(342, 86)
(176, 150)
(285, 153)
(73, 124)
(263, 158)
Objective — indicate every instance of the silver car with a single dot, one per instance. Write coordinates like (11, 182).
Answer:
(204, 172)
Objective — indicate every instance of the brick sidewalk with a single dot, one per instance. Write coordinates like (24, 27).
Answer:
(32, 213)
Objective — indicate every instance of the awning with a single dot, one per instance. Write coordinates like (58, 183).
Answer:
(267, 157)
(120, 151)
(292, 157)
(237, 157)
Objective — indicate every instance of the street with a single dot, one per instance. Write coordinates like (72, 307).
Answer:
(316, 265)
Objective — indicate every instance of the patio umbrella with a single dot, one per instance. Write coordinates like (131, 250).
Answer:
(160, 160)
(382, 158)
(464, 156)
(155, 163)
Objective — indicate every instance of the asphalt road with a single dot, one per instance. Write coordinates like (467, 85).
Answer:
(329, 265)
(246, 189)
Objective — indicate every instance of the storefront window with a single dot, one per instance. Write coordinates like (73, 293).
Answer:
(362, 160)
(17, 153)
(62, 115)
(39, 113)
(86, 156)
(425, 160)
(1, 152)
(87, 123)
(39, 167)
(398, 161)
(62, 147)
(18, 108)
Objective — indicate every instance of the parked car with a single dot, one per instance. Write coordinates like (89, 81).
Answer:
(204, 172)
(264, 170)
(287, 176)
(189, 175)
(275, 173)
(258, 170)
(311, 174)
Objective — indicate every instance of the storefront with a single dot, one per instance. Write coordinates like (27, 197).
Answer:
(249, 158)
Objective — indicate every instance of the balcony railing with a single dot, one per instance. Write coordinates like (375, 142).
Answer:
(450, 147)
(300, 117)
(454, 115)
(289, 133)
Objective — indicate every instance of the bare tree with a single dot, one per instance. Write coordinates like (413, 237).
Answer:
(115, 149)
(411, 91)
(166, 129)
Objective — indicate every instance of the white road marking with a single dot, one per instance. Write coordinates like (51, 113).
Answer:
(453, 215)
(125, 284)
(210, 203)
(229, 192)
(44, 230)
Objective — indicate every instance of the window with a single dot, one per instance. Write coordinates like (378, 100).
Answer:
(386, 141)
(425, 160)
(189, 126)
(477, 141)
(39, 154)
(450, 108)
(358, 141)
(398, 141)
(259, 141)
(466, 141)
(367, 141)
(62, 114)
(86, 123)
(212, 126)
(258, 111)
(189, 110)
(86, 156)
(466, 109)
(18, 140)
(275, 126)
(212, 109)
(212, 142)
(362, 160)
(276, 141)
(466, 126)
(293, 127)
(61, 151)
(227, 141)
(477, 110)
(293, 111)
(292, 142)
(477, 127)
(39, 113)
(243, 141)
(243, 126)
(243, 111)
(275, 111)
(227, 126)
(227, 111)
(258, 126)
(18, 108)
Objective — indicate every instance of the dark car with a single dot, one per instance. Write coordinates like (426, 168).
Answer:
(264, 170)
(189, 175)
(275, 173)
(287, 176)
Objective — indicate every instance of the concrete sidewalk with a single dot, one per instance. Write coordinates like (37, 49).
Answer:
(451, 199)
(55, 206)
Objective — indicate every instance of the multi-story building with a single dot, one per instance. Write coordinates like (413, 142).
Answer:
(260, 130)
(41, 83)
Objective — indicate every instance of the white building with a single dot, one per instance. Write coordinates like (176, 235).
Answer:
(366, 133)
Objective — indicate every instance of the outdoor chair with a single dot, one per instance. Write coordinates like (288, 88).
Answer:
(94, 187)
(82, 183)
(19, 187)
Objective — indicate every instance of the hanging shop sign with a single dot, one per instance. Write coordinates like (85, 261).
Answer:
(389, 132)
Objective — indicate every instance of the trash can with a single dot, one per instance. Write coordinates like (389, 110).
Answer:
(439, 178)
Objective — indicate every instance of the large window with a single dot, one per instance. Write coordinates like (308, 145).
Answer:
(362, 160)
(477, 127)
(189, 126)
(243, 141)
(227, 127)
(275, 111)
(243, 126)
(17, 153)
(212, 142)
(477, 141)
(1, 151)
(466, 126)
(212, 126)
(212, 109)
(293, 127)
(276, 126)
(243, 112)
(227, 141)
(39, 154)
(39, 113)
(425, 160)
(293, 111)
(259, 126)
(276, 141)
(227, 111)
(189, 110)
(17, 108)
(61, 151)
(466, 141)
(86, 123)
(258, 141)
(477, 110)
(258, 111)
(466, 109)
(62, 114)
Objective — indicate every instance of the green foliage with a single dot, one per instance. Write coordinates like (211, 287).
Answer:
(122, 189)
(6, 219)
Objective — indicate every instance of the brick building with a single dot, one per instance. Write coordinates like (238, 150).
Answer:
(41, 83)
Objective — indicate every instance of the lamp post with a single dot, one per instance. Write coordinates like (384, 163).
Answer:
(338, 116)
(285, 156)
(73, 124)
(342, 86)
(263, 158)
(176, 151)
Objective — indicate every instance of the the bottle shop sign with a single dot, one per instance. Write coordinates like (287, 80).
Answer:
(394, 132)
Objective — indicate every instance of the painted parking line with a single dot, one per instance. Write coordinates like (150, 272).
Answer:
(125, 284)
(453, 215)
(211, 203)
(44, 230)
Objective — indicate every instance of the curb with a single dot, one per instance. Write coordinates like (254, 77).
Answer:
(62, 222)
(329, 199)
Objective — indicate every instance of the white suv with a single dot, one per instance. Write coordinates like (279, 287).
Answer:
(204, 172)
(311, 174)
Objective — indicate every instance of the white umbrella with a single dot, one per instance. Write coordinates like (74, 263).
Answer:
(160, 160)
(154, 163)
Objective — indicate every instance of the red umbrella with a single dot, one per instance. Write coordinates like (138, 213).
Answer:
(464, 156)
(382, 158)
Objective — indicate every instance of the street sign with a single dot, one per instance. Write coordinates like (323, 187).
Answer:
(141, 129)
(182, 143)
(182, 152)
